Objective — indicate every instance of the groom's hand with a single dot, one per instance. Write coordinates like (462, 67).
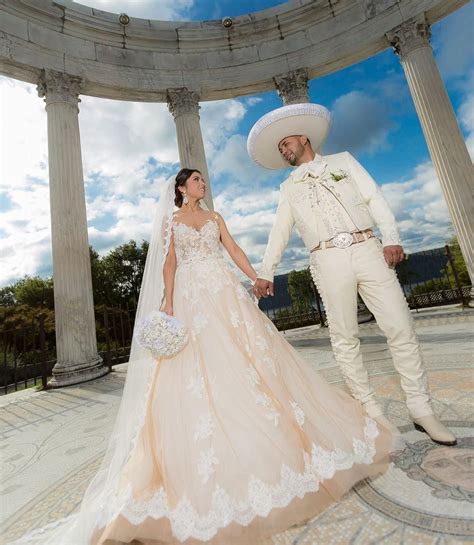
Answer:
(393, 255)
(262, 288)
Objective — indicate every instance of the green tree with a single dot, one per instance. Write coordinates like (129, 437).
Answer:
(431, 286)
(120, 273)
(459, 264)
(7, 296)
(102, 287)
(301, 289)
(34, 292)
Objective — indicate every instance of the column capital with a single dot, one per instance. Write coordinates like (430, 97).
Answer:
(183, 101)
(409, 36)
(59, 87)
(292, 87)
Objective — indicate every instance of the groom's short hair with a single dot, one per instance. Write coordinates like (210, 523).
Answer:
(299, 135)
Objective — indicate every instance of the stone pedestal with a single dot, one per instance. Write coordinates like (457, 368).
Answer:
(292, 87)
(77, 357)
(184, 105)
(444, 139)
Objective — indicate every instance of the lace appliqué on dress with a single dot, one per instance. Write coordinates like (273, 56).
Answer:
(196, 386)
(234, 318)
(261, 343)
(207, 461)
(299, 413)
(261, 398)
(186, 522)
(199, 323)
(205, 427)
(268, 362)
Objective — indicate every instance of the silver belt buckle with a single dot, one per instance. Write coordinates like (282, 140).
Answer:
(343, 240)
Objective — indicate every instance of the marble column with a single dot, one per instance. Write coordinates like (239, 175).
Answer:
(444, 138)
(184, 106)
(76, 346)
(292, 87)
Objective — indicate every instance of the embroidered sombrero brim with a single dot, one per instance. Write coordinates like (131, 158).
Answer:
(312, 120)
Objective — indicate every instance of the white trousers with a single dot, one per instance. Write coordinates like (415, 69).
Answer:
(339, 274)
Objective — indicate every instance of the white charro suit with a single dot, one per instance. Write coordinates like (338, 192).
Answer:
(335, 194)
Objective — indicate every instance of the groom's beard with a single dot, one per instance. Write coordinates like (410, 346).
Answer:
(292, 160)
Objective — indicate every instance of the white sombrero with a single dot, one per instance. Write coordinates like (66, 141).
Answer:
(312, 120)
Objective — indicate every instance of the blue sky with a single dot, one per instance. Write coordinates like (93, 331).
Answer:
(129, 149)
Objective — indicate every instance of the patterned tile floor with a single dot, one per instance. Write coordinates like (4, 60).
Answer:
(52, 443)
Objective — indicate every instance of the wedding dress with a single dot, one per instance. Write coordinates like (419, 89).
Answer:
(240, 438)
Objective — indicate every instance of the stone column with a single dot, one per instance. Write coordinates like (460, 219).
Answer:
(184, 105)
(292, 87)
(76, 346)
(444, 139)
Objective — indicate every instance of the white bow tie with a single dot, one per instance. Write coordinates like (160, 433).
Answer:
(313, 169)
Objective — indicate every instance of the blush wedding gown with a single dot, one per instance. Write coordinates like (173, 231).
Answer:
(241, 439)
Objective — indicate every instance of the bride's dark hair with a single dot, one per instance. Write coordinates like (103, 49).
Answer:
(180, 180)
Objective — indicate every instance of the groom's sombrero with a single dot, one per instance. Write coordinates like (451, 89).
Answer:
(312, 120)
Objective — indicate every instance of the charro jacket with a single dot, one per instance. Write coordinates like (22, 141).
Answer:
(350, 184)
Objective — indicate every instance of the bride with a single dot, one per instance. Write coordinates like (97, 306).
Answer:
(234, 438)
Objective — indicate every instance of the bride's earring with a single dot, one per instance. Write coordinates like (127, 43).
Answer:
(185, 199)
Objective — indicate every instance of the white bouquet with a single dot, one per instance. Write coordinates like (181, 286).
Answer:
(162, 334)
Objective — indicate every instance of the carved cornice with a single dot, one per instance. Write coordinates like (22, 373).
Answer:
(409, 36)
(59, 87)
(292, 87)
(182, 101)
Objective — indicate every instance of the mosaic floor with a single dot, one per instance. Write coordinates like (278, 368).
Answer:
(426, 497)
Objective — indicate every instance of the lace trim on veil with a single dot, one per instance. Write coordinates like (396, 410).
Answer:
(141, 409)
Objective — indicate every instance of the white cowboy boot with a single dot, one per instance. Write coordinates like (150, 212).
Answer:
(437, 431)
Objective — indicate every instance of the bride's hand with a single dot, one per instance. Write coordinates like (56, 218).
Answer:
(168, 309)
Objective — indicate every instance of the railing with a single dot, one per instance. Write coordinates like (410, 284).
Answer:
(291, 318)
(431, 278)
(441, 297)
(114, 329)
(26, 360)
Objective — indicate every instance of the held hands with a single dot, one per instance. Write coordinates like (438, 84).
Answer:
(262, 288)
(393, 255)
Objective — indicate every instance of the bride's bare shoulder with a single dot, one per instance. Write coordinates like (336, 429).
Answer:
(212, 214)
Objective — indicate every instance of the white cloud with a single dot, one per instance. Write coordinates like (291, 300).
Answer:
(23, 134)
(219, 120)
(233, 160)
(25, 221)
(118, 138)
(420, 209)
(146, 9)
(133, 221)
(25, 246)
(360, 123)
(452, 42)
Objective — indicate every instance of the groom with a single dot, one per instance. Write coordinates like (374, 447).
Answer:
(335, 204)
